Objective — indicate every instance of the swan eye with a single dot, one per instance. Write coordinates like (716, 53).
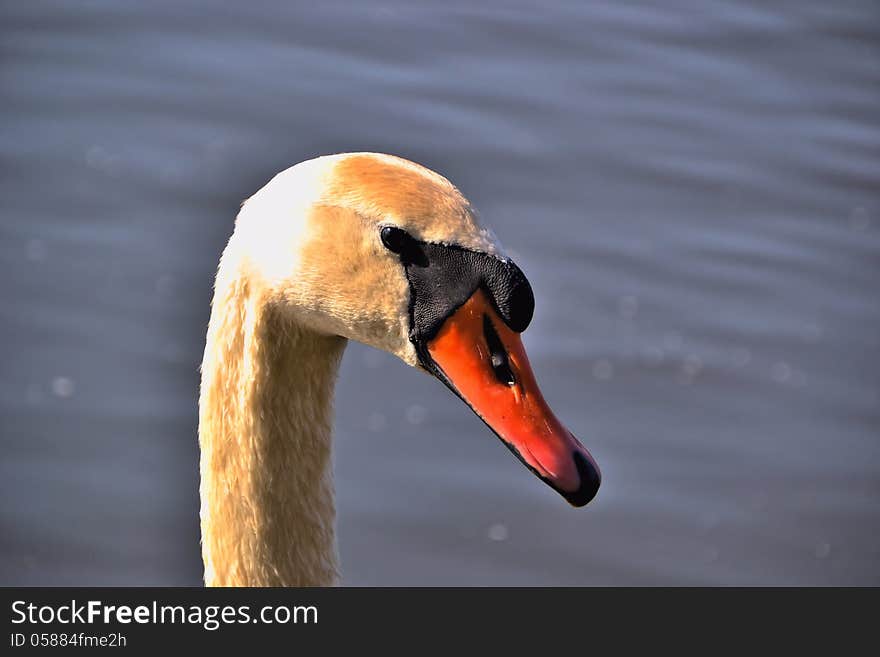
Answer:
(402, 243)
(395, 239)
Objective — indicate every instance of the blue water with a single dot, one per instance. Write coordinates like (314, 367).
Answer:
(693, 190)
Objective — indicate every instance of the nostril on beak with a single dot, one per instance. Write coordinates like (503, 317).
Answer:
(498, 354)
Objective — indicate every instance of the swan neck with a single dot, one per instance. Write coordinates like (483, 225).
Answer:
(265, 418)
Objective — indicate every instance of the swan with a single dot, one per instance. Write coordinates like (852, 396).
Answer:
(356, 246)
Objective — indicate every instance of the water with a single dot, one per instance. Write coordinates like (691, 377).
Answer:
(694, 192)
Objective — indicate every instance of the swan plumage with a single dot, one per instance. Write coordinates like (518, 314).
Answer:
(305, 270)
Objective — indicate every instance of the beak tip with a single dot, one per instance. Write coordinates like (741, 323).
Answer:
(590, 478)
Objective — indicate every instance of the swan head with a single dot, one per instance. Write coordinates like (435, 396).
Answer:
(381, 250)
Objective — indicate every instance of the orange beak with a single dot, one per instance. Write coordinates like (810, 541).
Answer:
(483, 361)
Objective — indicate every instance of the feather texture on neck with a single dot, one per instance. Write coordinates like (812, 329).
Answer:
(265, 416)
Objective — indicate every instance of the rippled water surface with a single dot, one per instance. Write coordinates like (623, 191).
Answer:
(693, 190)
